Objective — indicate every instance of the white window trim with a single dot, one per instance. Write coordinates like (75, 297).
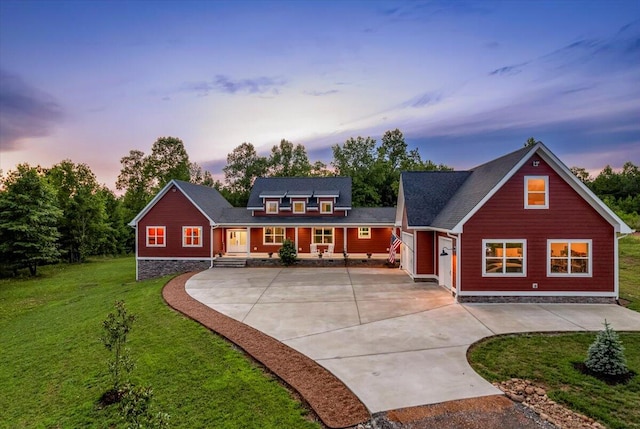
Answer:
(184, 237)
(569, 241)
(325, 211)
(164, 228)
(546, 193)
(313, 235)
(264, 235)
(293, 207)
(362, 235)
(504, 240)
(269, 204)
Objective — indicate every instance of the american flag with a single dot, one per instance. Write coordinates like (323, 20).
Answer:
(393, 248)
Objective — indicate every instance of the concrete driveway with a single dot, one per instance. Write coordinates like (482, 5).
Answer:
(393, 342)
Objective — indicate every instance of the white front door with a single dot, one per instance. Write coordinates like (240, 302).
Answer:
(236, 241)
(445, 272)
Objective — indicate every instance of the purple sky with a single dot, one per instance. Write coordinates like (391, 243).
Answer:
(466, 81)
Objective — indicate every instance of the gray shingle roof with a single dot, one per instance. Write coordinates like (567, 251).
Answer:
(441, 199)
(209, 200)
(298, 185)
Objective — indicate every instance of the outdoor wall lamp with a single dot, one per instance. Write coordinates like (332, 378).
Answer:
(444, 251)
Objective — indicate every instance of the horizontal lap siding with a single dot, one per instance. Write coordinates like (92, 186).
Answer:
(174, 211)
(568, 217)
(424, 253)
(378, 243)
(257, 240)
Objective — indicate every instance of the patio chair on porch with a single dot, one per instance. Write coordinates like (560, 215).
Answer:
(314, 249)
(329, 250)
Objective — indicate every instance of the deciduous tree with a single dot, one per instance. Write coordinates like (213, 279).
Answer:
(243, 166)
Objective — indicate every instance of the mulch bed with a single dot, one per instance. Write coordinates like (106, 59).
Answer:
(335, 405)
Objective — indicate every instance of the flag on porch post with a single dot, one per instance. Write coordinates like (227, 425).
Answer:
(393, 248)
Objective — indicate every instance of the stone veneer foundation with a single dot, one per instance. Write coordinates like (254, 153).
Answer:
(539, 299)
(148, 269)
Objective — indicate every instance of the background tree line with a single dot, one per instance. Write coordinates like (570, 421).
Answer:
(62, 213)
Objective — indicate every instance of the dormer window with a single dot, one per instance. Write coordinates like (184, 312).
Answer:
(536, 192)
(326, 207)
(272, 207)
(298, 206)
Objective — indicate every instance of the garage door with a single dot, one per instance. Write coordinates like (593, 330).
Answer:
(406, 255)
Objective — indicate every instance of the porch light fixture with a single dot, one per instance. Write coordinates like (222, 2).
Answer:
(444, 251)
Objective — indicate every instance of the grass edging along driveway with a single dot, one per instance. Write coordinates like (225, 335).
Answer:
(548, 358)
(53, 367)
(331, 400)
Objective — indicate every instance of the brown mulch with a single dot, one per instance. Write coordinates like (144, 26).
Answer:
(331, 400)
(328, 397)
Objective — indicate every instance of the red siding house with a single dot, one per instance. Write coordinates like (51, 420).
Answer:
(519, 228)
(187, 227)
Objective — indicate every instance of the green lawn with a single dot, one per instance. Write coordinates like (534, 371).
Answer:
(548, 359)
(52, 363)
(630, 270)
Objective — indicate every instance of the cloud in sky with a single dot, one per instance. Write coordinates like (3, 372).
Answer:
(226, 84)
(25, 111)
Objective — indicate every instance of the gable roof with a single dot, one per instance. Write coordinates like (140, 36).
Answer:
(208, 200)
(460, 196)
(339, 187)
(359, 216)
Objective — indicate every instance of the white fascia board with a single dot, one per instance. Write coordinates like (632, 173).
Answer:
(400, 204)
(310, 225)
(256, 208)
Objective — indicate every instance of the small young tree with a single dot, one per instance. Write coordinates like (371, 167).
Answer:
(288, 253)
(606, 354)
(116, 328)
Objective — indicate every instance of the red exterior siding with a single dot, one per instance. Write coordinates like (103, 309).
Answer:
(257, 240)
(290, 213)
(424, 259)
(568, 217)
(218, 240)
(378, 243)
(174, 211)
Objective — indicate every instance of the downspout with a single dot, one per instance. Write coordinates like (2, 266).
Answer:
(616, 263)
(135, 229)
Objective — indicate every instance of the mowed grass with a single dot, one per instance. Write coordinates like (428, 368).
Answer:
(53, 365)
(548, 359)
(630, 271)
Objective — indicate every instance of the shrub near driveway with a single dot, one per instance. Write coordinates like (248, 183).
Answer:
(52, 363)
(549, 359)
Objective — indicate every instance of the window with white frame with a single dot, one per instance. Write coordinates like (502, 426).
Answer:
(364, 232)
(156, 236)
(504, 257)
(192, 236)
(536, 192)
(326, 207)
(569, 258)
(272, 207)
(298, 207)
(322, 235)
(274, 235)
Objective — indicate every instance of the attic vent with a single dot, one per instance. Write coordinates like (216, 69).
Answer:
(536, 163)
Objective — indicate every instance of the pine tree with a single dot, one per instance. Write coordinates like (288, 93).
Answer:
(606, 354)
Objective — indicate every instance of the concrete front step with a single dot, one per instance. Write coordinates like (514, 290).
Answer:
(229, 263)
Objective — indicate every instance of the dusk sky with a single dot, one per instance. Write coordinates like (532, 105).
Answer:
(465, 81)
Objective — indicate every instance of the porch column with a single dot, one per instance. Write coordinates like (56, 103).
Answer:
(248, 241)
(296, 238)
(344, 238)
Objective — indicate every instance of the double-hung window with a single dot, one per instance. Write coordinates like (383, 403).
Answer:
(569, 258)
(191, 236)
(326, 207)
(272, 207)
(298, 206)
(364, 232)
(273, 235)
(156, 236)
(536, 192)
(322, 235)
(504, 257)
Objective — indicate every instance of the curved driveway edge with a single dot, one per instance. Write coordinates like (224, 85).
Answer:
(393, 342)
(331, 400)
